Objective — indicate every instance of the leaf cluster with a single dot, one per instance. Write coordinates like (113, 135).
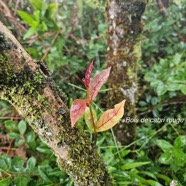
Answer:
(109, 118)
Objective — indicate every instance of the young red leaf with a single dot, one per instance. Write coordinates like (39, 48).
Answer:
(110, 117)
(86, 80)
(77, 110)
(97, 82)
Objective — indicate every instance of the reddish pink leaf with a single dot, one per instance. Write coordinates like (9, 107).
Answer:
(77, 109)
(97, 82)
(110, 117)
(86, 80)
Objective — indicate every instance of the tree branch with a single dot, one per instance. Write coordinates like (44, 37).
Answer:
(32, 92)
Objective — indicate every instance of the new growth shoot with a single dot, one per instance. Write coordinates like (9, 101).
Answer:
(80, 106)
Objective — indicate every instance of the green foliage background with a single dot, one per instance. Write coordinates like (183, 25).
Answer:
(158, 155)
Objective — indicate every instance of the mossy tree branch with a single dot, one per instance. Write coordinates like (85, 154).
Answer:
(124, 30)
(28, 87)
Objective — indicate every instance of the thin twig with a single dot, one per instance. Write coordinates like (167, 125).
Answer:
(7, 12)
(162, 8)
(163, 104)
(49, 48)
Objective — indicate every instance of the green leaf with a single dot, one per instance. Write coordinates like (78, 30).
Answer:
(44, 150)
(148, 98)
(155, 112)
(150, 77)
(42, 173)
(142, 103)
(164, 177)
(9, 124)
(166, 157)
(164, 145)
(120, 183)
(28, 19)
(146, 173)
(179, 2)
(5, 162)
(5, 182)
(17, 164)
(88, 119)
(22, 126)
(51, 10)
(154, 183)
(161, 89)
(180, 141)
(13, 135)
(112, 169)
(92, 3)
(173, 86)
(43, 26)
(31, 163)
(57, 172)
(179, 157)
(21, 180)
(124, 153)
(176, 59)
(36, 4)
(31, 31)
(134, 165)
(19, 142)
(138, 178)
(183, 89)
(154, 100)
(37, 15)
(30, 139)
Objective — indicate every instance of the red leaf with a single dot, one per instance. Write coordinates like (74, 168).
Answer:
(86, 80)
(110, 117)
(97, 82)
(77, 109)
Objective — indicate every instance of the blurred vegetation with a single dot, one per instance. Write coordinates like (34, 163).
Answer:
(67, 34)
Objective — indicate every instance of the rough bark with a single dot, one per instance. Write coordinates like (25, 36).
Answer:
(28, 86)
(124, 30)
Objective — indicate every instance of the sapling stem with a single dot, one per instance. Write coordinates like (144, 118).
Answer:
(92, 117)
(93, 123)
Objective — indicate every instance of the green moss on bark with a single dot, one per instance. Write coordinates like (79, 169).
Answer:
(125, 27)
(37, 98)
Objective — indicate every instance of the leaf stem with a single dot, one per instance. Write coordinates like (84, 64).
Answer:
(92, 120)
(92, 116)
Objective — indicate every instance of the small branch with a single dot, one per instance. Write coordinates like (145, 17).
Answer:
(36, 97)
(163, 104)
(7, 13)
(162, 8)
(49, 48)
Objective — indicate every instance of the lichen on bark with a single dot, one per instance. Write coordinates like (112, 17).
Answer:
(124, 31)
(36, 97)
